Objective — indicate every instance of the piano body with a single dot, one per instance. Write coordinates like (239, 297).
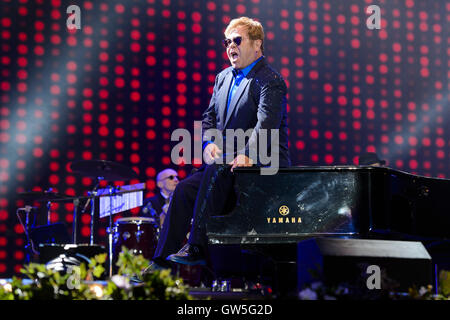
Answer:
(257, 239)
(348, 201)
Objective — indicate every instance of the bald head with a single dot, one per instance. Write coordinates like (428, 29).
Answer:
(167, 180)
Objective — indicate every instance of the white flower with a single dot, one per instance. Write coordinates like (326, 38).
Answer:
(307, 294)
(121, 281)
(7, 287)
(422, 291)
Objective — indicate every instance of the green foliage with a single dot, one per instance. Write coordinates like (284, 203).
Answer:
(157, 285)
(96, 266)
(444, 280)
(426, 293)
(81, 282)
(129, 264)
(46, 284)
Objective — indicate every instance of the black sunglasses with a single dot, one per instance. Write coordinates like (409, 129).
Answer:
(171, 177)
(227, 42)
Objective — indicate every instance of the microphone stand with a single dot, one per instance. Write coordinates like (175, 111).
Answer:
(76, 202)
(29, 248)
(49, 204)
(112, 190)
(27, 227)
(91, 201)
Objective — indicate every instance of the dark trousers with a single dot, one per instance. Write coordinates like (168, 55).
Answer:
(195, 198)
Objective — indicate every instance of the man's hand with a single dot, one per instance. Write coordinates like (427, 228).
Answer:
(211, 153)
(241, 161)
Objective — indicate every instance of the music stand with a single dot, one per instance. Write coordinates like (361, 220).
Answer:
(114, 200)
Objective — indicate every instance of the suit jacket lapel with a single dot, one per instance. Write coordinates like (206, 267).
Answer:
(225, 89)
(223, 97)
(235, 99)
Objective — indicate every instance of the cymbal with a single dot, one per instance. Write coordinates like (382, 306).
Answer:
(43, 196)
(103, 170)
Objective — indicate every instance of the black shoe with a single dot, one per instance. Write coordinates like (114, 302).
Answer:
(190, 255)
(136, 280)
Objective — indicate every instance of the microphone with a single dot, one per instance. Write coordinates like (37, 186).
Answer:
(86, 205)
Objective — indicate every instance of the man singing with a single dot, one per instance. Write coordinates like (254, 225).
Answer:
(247, 95)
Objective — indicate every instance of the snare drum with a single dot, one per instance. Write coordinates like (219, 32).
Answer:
(138, 234)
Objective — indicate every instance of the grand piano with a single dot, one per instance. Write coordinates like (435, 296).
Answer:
(351, 201)
(257, 237)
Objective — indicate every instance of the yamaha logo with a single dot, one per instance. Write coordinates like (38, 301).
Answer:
(284, 211)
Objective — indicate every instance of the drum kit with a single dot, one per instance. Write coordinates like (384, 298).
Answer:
(138, 234)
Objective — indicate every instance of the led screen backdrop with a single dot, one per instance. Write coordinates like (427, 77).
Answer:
(137, 70)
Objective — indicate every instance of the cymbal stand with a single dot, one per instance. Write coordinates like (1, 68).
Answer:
(91, 201)
(29, 248)
(112, 190)
(49, 205)
(76, 202)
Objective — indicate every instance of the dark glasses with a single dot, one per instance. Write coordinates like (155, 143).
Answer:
(227, 42)
(170, 177)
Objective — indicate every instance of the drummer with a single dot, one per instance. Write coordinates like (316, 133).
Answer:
(157, 206)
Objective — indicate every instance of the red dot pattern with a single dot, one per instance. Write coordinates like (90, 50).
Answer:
(136, 71)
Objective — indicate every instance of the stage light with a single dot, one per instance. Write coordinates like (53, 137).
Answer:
(97, 289)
